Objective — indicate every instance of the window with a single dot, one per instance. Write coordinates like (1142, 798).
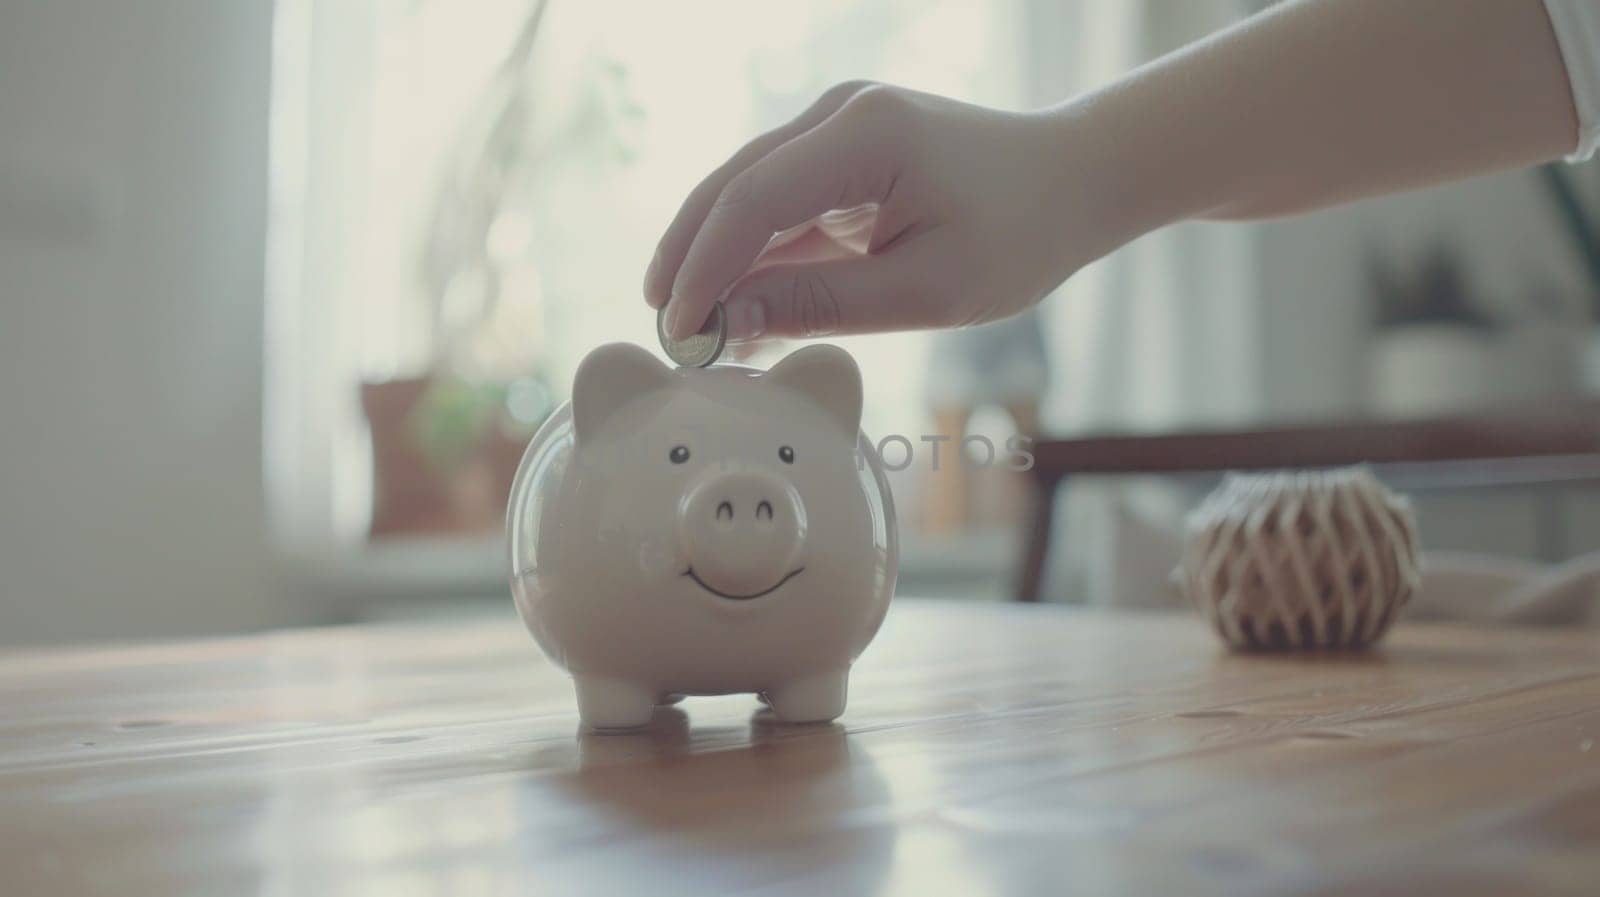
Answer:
(445, 205)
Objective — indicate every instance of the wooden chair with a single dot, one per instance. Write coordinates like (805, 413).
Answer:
(1549, 445)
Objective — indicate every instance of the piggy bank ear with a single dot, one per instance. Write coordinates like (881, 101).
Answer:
(828, 376)
(610, 377)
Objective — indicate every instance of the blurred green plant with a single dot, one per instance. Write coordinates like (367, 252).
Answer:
(454, 417)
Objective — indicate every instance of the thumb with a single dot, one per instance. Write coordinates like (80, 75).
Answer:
(858, 294)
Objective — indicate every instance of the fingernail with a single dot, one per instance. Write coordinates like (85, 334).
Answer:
(650, 276)
(747, 320)
(674, 311)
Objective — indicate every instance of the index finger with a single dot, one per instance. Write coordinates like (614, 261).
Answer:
(675, 241)
(838, 164)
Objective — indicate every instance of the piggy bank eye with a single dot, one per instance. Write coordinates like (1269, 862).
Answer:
(786, 454)
(679, 454)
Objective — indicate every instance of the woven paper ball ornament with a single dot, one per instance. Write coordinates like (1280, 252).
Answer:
(1301, 561)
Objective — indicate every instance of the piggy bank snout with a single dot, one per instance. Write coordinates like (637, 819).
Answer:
(742, 530)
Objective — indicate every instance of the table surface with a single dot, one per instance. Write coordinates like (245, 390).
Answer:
(988, 749)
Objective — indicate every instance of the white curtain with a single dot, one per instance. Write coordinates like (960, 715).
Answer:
(321, 53)
(1161, 334)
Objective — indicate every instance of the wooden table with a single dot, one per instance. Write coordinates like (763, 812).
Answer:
(988, 749)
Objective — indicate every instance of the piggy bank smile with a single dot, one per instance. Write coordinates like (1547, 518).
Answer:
(750, 597)
(704, 531)
(741, 527)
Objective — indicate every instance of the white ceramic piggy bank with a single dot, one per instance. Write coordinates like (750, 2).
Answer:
(704, 532)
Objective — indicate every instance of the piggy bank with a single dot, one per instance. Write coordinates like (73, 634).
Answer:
(704, 531)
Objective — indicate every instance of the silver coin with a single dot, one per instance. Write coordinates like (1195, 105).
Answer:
(698, 350)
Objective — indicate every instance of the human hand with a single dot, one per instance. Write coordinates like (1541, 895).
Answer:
(886, 209)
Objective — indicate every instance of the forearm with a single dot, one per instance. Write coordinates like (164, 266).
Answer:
(1325, 101)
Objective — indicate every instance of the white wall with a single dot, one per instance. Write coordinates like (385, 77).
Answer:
(1315, 299)
(1316, 295)
(132, 205)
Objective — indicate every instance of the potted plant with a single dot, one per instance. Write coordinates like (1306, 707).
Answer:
(1434, 350)
(1438, 350)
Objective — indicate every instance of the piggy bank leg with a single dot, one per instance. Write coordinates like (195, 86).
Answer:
(613, 703)
(814, 699)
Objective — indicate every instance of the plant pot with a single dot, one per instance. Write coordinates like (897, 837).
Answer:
(440, 465)
(409, 496)
(1431, 369)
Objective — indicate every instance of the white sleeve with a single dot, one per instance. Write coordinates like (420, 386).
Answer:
(1577, 27)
